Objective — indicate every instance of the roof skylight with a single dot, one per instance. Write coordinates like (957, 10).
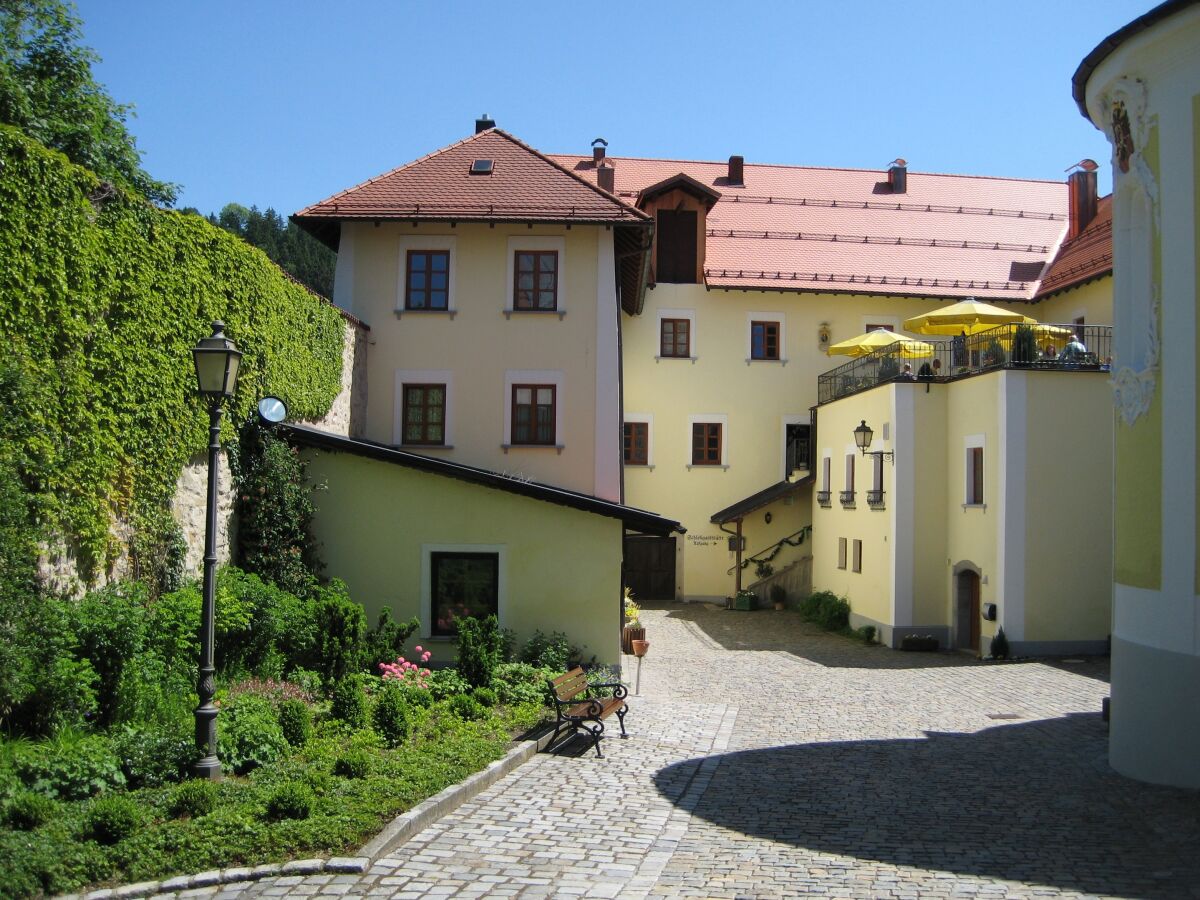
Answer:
(481, 167)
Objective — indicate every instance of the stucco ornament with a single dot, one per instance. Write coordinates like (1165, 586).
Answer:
(1133, 390)
(1127, 127)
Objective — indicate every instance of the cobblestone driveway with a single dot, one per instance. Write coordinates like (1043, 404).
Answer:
(768, 759)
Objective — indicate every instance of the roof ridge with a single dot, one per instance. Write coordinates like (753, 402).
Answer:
(599, 190)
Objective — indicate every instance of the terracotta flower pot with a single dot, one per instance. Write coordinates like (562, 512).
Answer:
(629, 634)
(640, 647)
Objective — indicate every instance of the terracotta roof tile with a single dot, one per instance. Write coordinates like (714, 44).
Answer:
(524, 186)
(843, 230)
(1087, 257)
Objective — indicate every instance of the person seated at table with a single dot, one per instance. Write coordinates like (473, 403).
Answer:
(1049, 352)
(906, 374)
(925, 373)
(1074, 351)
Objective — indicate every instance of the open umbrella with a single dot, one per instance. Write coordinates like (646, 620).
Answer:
(969, 316)
(878, 339)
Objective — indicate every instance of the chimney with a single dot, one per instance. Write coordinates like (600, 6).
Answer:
(1081, 197)
(736, 164)
(598, 146)
(483, 123)
(606, 176)
(898, 176)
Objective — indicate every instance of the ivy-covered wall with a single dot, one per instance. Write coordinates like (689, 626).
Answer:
(102, 297)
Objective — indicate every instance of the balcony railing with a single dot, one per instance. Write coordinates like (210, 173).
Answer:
(1028, 347)
(846, 498)
(823, 498)
(875, 499)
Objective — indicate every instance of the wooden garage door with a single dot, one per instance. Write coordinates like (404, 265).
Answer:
(650, 567)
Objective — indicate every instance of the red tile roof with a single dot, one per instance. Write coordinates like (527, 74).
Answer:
(524, 186)
(1084, 259)
(844, 231)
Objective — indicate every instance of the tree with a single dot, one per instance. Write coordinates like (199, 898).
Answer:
(295, 251)
(48, 91)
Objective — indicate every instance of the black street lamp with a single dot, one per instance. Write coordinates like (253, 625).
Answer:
(217, 359)
(863, 435)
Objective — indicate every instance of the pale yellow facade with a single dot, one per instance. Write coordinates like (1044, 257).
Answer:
(559, 568)
(1091, 302)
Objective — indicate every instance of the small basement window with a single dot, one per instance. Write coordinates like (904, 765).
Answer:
(481, 167)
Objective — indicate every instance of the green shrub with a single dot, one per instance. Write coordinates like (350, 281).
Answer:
(71, 766)
(548, 652)
(414, 696)
(999, 645)
(110, 627)
(349, 702)
(390, 716)
(249, 734)
(338, 626)
(155, 691)
(194, 798)
(27, 810)
(445, 683)
(385, 641)
(480, 649)
(466, 707)
(833, 613)
(291, 800)
(154, 755)
(50, 687)
(486, 696)
(353, 764)
(866, 633)
(257, 619)
(307, 680)
(296, 722)
(111, 819)
(810, 606)
(520, 683)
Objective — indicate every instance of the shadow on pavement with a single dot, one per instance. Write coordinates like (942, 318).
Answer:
(1034, 802)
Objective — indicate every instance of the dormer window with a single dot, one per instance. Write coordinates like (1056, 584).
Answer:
(680, 205)
(481, 167)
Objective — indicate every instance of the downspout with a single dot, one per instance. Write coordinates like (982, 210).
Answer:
(737, 549)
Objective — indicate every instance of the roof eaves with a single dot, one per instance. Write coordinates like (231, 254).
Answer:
(758, 500)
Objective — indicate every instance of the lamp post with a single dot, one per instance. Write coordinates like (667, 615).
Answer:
(863, 436)
(217, 359)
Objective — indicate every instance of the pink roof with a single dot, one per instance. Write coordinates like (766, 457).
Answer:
(524, 186)
(843, 230)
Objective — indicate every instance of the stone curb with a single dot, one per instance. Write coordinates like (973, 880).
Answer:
(395, 833)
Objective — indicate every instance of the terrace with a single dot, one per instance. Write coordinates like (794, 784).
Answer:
(1042, 347)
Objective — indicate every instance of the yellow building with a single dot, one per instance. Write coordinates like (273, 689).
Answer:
(1141, 87)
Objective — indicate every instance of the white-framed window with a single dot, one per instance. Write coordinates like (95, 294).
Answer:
(708, 441)
(427, 281)
(765, 337)
(638, 439)
(461, 579)
(973, 471)
(541, 250)
(874, 323)
(545, 378)
(418, 407)
(676, 334)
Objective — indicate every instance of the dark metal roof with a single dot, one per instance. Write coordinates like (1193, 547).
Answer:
(765, 497)
(1105, 48)
(635, 519)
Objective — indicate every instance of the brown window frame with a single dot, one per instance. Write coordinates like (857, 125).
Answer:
(975, 468)
(674, 347)
(552, 441)
(856, 556)
(706, 453)
(770, 331)
(630, 443)
(428, 272)
(531, 305)
(841, 553)
(425, 440)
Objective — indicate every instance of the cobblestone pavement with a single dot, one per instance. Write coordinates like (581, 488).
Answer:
(769, 759)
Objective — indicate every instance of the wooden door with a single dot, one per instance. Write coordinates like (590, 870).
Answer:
(650, 567)
(676, 263)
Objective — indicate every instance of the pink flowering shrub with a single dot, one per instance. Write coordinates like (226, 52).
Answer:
(408, 672)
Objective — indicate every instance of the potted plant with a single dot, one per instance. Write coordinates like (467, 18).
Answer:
(632, 629)
(745, 600)
(779, 596)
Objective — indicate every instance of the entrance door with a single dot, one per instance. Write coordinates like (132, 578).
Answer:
(650, 567)
(967, 625)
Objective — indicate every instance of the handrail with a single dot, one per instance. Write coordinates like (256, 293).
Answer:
(774, 548)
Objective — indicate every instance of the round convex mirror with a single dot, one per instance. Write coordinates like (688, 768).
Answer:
(272, 409)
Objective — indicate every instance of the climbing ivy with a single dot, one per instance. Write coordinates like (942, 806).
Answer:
(102, 297)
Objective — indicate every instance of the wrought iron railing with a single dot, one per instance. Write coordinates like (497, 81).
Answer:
(823, 498)
(846, 498)
(1043, 347)
(875, 498)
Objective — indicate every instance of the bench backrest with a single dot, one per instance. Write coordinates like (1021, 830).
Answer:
(567, 687)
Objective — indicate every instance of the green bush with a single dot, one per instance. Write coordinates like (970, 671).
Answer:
(466, 707)
(194, 798)
(833, 613)
(263, 626)
(291, 800)
(999, 645)
(548, 652)
(810, 605)
(520, 683)
(385, 641)
(70, 766)
(390, 716)
(339, 625)
(349, 702)
(110, 627)
(27, 810)
(486, 696)
(111, 819)
(296, 722)
(480, 649)
(414, 696)
(249, 734)
(153, 690)
(154, 755)
(353, 764)
(866, 633)
(445, 683)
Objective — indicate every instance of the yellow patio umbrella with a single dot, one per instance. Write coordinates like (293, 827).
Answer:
(877, 340)
(970, 316)
(1043, 334)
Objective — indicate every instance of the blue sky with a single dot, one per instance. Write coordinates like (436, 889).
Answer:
(283, 102)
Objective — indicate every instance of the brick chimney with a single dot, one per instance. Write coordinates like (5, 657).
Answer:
(898, 176)
(483, 123)
(606, 176)
(598, 146)
(737, 170)
(1081, 197)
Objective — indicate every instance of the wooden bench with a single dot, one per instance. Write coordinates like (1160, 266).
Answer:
(575, 713)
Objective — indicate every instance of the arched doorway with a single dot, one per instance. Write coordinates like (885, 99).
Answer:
(966, 608)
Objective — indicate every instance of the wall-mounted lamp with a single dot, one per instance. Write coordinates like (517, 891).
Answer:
(767, 518)
(862, 438)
